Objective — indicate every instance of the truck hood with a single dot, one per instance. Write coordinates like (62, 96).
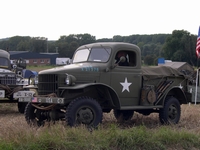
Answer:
(5, 70)
(83, 72)
(75, 68)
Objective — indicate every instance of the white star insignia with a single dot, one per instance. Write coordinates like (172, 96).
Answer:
(125, 85)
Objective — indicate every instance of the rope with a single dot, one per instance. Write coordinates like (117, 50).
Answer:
(9, 91)
(47, 107)
(43, 108)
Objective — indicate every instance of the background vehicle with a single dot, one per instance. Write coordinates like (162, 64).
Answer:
(95, 82)
(12, 80)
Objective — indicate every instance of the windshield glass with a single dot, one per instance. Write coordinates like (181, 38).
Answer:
(98, 54)
(4, 62)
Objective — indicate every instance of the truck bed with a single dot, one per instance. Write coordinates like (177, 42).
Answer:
(160, 72)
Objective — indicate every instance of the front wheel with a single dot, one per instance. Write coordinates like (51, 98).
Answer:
(171, 112)
(84, 110)
(34, 116)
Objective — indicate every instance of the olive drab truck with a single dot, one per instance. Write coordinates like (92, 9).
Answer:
(12, 80)
(103, 77)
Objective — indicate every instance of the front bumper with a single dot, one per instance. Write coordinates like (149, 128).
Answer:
(40, 99)
(19, 94)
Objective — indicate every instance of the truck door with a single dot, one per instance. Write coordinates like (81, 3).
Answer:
(126, 79)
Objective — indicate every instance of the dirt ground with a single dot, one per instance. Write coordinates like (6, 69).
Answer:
(190, 119)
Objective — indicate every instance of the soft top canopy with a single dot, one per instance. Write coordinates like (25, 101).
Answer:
(159, 72)
(180, 66)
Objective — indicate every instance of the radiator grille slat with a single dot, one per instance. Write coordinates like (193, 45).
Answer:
(6, 80)
(48, 84)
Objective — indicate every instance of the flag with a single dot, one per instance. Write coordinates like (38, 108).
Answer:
(198, 44)
(34, 99)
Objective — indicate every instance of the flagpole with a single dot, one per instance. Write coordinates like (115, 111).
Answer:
(196, 86)
(198, 56)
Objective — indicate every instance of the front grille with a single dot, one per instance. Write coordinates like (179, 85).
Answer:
(48, 83)
(8, 79)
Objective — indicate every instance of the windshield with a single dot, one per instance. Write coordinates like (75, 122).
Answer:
(4, 62)
(98, 54)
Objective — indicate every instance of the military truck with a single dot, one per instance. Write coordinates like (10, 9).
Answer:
(12, 80)
(105, 77)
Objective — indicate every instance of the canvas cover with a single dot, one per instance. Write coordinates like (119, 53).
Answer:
(160, 72)
(180, 66)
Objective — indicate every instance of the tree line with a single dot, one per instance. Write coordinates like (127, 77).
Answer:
(178, 46)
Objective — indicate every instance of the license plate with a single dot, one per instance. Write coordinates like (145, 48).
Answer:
(2, 93)
(49, 100)
(24, 99)
(23, 94)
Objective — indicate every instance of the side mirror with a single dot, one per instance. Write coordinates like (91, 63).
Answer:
(122, 59)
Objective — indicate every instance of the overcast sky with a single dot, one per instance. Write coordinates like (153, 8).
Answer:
(100, 18)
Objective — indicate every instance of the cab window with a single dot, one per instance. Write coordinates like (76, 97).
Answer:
(130, 58)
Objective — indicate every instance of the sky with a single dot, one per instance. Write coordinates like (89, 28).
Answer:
(99, 18)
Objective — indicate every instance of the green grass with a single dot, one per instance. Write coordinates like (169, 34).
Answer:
(110, 138)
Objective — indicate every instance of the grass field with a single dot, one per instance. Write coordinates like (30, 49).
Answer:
(39, 68)
(141, 132)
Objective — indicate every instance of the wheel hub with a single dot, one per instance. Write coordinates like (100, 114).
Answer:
(172, 112)
(85, 116)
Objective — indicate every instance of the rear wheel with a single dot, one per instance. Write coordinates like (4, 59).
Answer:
(84, 110)
(123, 115)
(170, 113)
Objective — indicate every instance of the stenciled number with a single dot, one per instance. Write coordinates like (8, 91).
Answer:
(49, 100)
(28, 94)
(60, 101)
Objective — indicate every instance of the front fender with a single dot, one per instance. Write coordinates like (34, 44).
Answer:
(112, 96)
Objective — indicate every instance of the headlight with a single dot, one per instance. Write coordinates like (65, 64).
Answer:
(33, 80)
(21, 81)
(36, 79)
(70, 80)
(18, 79)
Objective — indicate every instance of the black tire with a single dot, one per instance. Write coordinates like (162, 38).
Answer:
(123, 115)
(171, 112)
(21, 107)
(33, 116)
(84, 110)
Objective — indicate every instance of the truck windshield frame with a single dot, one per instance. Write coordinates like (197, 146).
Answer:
(96, 54)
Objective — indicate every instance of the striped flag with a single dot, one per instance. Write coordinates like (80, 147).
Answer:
(198, 44)
(34, 99)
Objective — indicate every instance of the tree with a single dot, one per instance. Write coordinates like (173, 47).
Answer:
(63, 46)
(85, 39)
(179, 47)
(68, 44)
(118, 38)
(149, 60)
(39, 44)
